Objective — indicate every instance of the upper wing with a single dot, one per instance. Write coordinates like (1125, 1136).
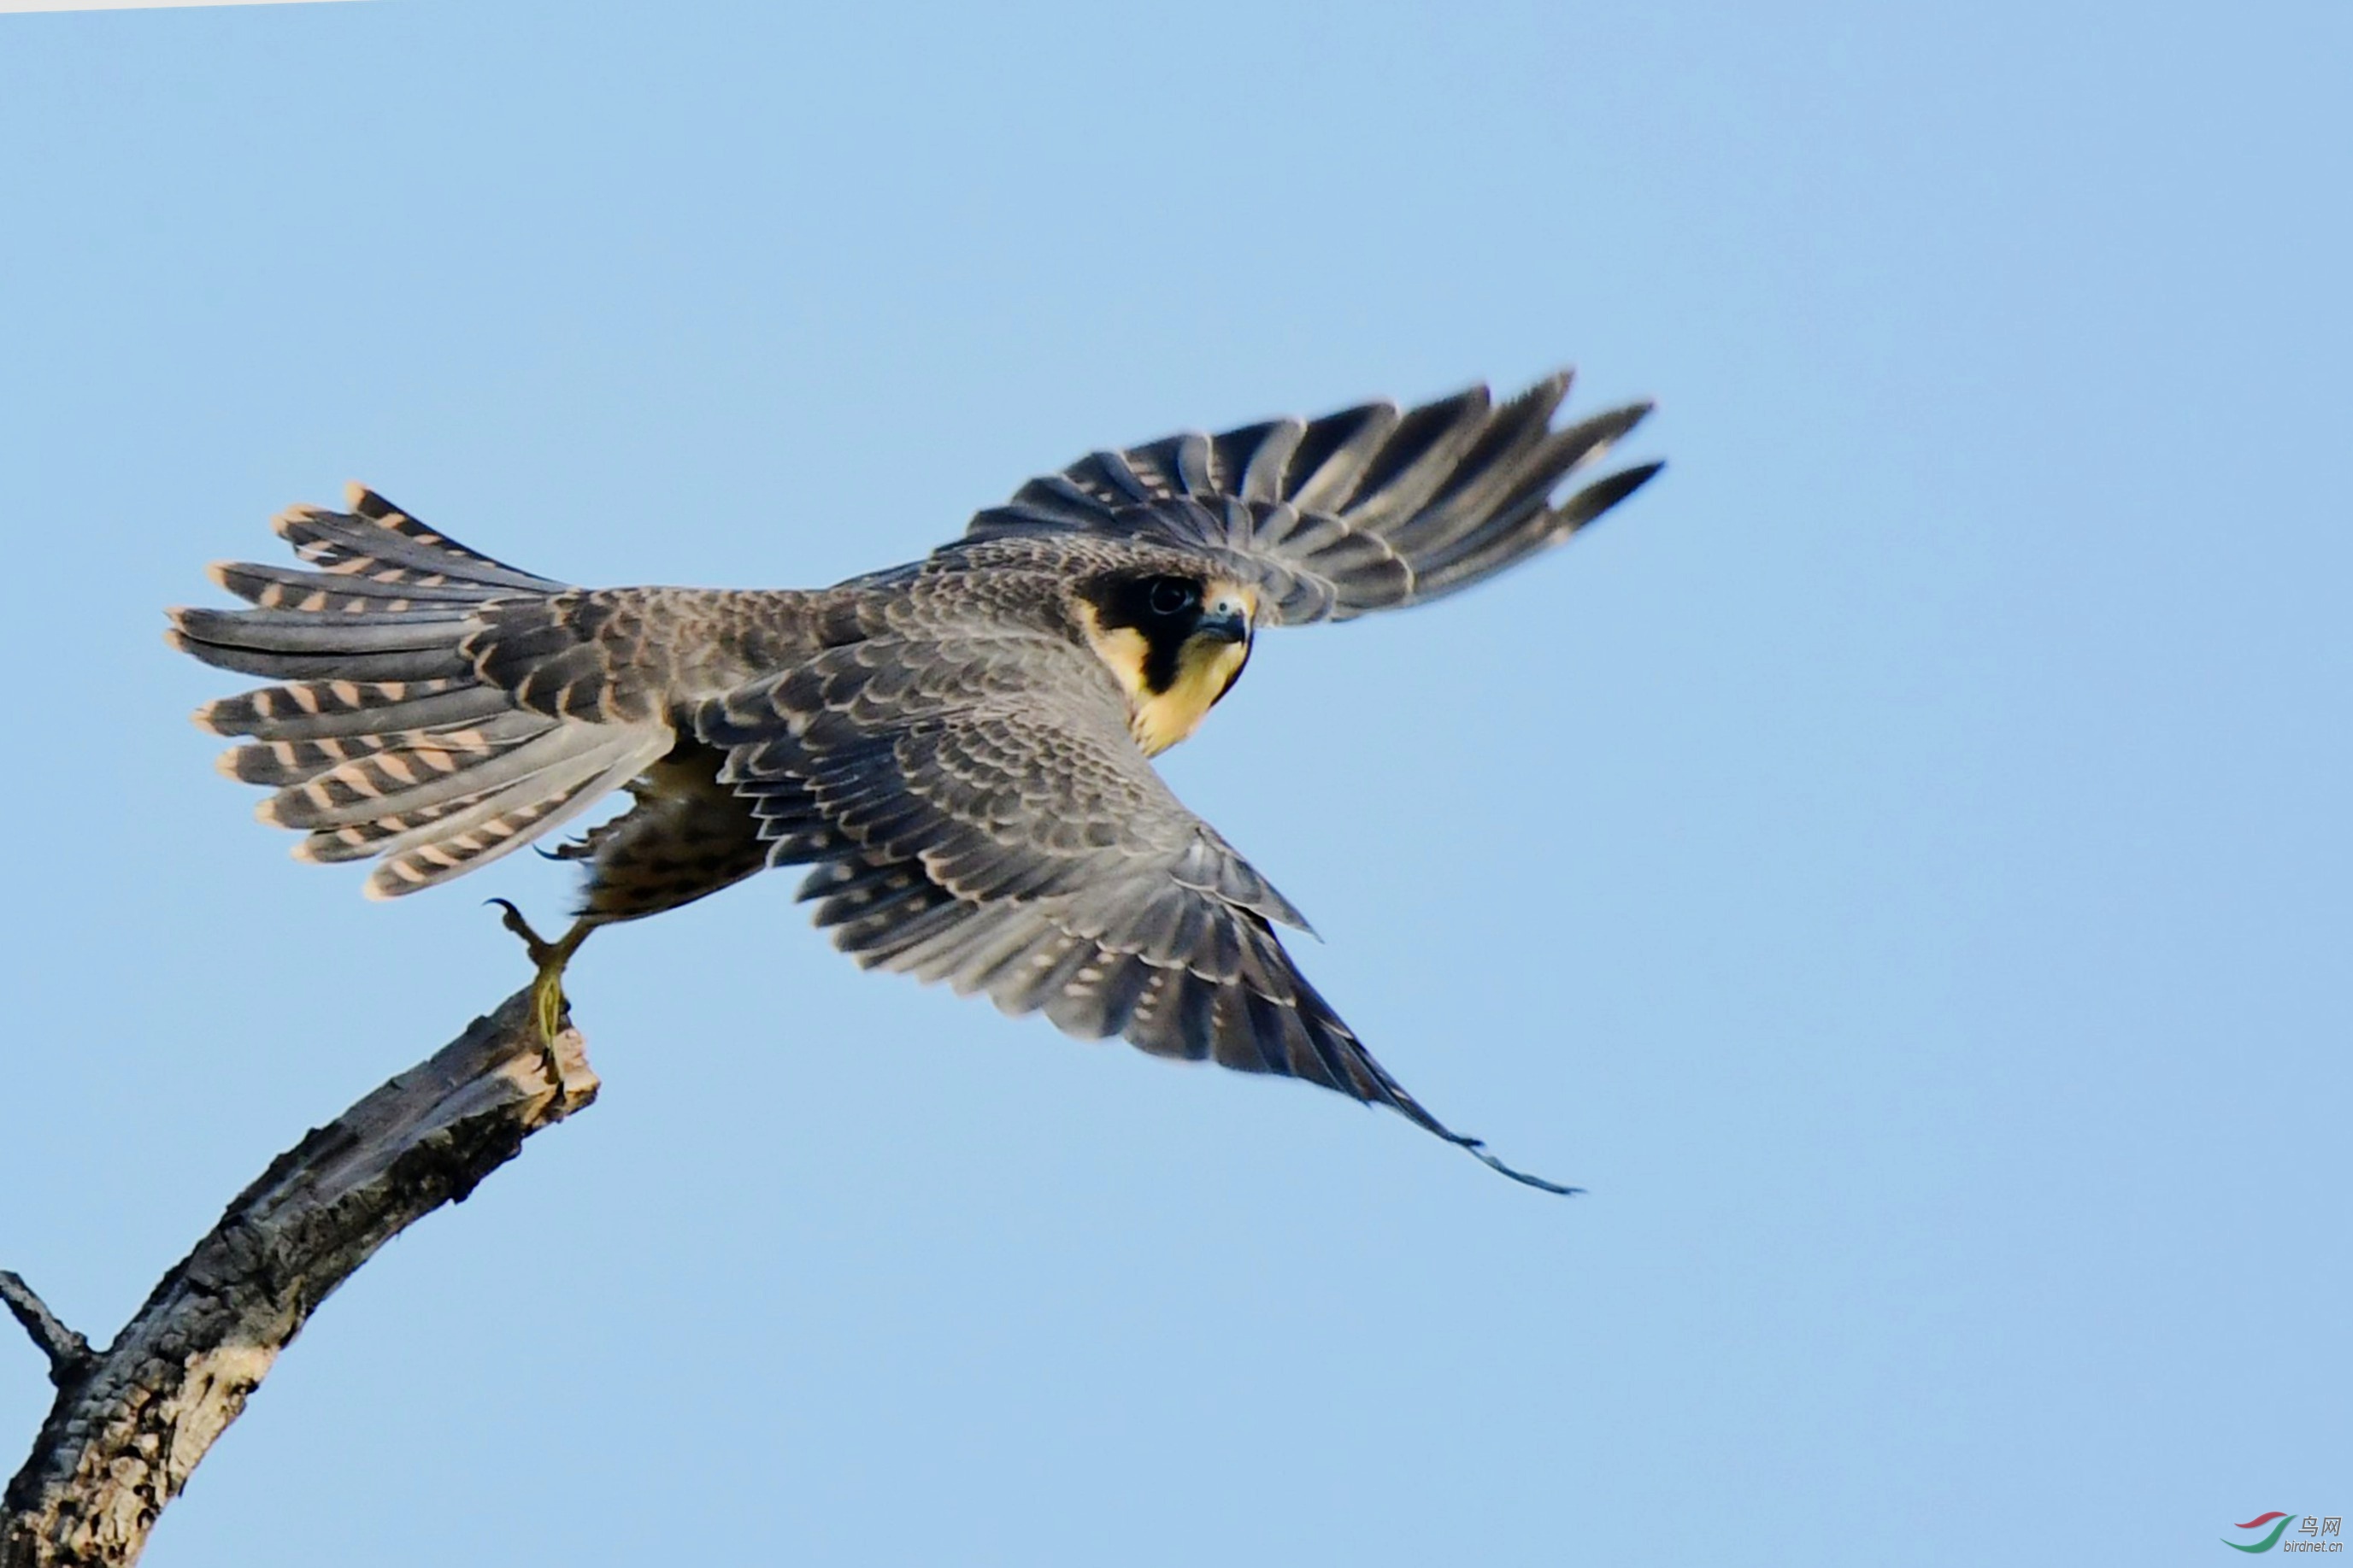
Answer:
(1364, 510)
(978, 814)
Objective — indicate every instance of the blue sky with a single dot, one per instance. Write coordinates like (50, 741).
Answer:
(1899, 863)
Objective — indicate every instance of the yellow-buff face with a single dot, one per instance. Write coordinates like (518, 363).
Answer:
(1175, 644)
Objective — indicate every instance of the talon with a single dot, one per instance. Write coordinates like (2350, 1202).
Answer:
(548, 1004)
(511, 917)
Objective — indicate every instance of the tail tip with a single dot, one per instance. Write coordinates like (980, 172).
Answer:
(392, 878)
(285, 522)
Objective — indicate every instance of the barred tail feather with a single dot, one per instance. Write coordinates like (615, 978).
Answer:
(316, 709)
(280, 763)
(441, 663)
(505, 820)
(440, 767)
(383, 740)
(282, 589)
(302, 631)
(379, 544)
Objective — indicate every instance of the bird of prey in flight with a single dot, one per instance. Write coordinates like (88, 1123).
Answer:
(957, 748)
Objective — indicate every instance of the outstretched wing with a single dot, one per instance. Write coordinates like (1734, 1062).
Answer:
(1369, 509)
(977, 813)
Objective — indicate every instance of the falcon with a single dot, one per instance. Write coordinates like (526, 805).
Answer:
(958, 748)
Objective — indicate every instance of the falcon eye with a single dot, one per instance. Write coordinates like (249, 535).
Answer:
(1172, 595)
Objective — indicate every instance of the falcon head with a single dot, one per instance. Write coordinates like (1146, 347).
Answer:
(1174, 641)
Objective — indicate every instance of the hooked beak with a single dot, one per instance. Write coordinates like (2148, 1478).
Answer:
(1224, 622)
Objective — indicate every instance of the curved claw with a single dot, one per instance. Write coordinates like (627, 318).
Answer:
(511, 917)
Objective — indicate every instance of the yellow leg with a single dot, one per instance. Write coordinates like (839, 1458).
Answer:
(547, 1001)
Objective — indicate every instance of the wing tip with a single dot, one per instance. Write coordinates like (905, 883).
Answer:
(1394, 1096)
(1640, 474)
(1552, 387)
(1587, 505)
(1478, 1151)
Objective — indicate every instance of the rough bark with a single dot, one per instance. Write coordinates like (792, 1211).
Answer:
(131, 1422)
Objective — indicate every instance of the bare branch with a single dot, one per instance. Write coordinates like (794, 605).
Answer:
(67, 1350)
(131, 1422)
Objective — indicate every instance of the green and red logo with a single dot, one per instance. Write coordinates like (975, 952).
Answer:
(2261, 1519)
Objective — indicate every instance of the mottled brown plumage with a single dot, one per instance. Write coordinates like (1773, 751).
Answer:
(957, 747)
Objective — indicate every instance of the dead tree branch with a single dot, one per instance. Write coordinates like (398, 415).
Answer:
(67, 1351)
(130, 1423)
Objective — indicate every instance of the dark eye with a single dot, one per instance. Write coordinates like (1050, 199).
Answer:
(1172, 596)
